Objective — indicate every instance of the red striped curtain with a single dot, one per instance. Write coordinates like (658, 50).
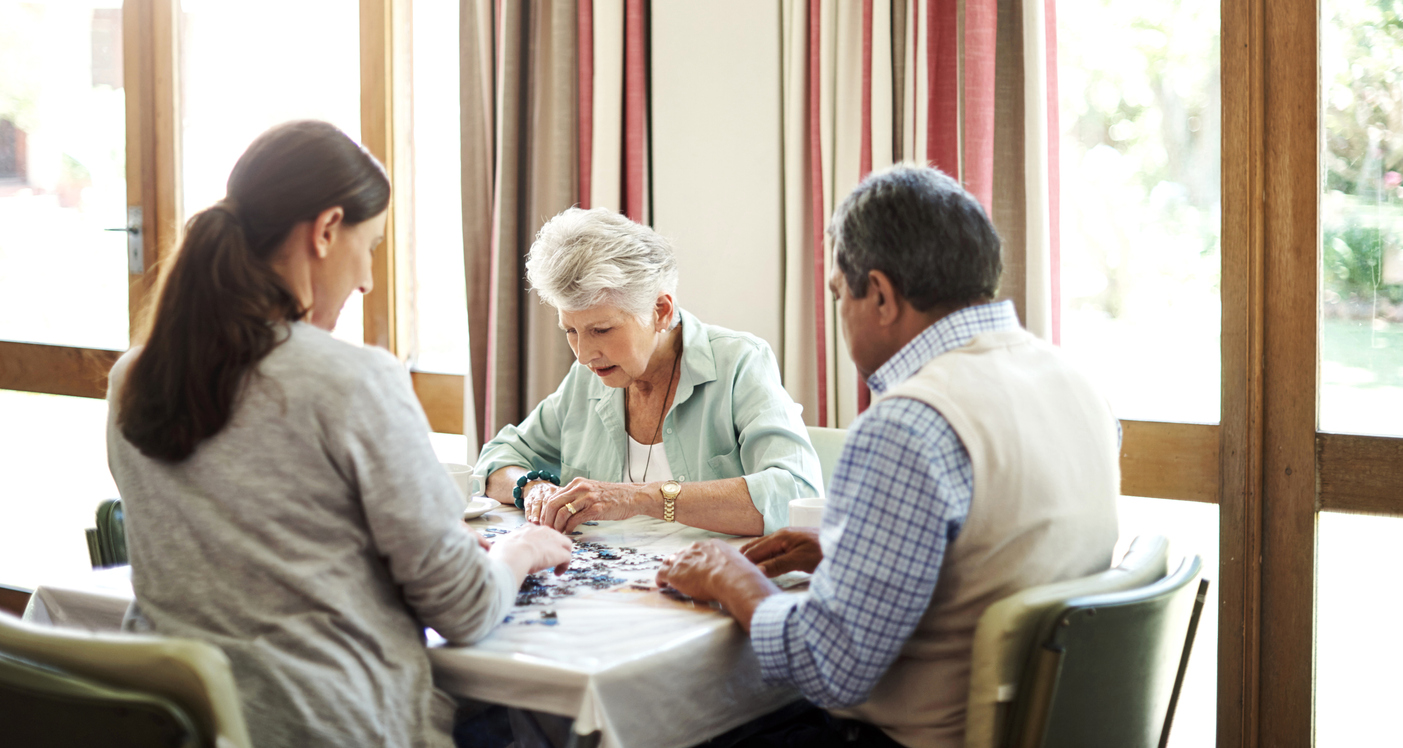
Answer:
(554, 111)
(945, 82)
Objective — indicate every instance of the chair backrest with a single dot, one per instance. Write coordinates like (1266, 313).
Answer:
(194, 675)
(107, 543)
(1008, 628)
(1104, 671)
(41, 705)
(829, 445)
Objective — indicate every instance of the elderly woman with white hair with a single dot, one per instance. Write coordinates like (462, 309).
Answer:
(662, 415)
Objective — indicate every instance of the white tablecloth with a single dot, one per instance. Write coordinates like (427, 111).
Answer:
(96, 601)
(645, 670)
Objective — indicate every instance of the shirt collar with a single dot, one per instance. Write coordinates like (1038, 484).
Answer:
(698, 363)
(945, 334)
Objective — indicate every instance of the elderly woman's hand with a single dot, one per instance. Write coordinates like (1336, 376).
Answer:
(583, 499)
(537, 495)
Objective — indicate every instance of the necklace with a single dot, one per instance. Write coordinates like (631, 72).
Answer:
(676, 364)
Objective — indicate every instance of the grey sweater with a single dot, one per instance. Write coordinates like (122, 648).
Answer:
(311, 539)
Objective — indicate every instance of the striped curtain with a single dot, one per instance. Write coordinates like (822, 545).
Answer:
(968, 86)
(554, 111)
(557, 110)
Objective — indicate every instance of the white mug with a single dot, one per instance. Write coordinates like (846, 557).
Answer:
(805, 512)
(468, 484)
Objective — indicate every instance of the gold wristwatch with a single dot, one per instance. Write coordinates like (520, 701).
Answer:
(670, 490)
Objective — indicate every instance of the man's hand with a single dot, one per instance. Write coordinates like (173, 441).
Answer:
(790, 549)
(713, 570)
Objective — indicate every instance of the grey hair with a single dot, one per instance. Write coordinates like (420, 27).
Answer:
(923, 231)
(583, 258)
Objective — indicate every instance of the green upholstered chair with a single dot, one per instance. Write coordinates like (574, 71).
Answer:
(829, 445)
(1106, 669)
(1007, 630)
(107, 543)
(193, 676)
(45, 706)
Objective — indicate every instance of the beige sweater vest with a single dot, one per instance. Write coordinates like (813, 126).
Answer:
(1043, 446)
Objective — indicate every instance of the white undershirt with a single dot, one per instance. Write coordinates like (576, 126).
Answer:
(657, 467)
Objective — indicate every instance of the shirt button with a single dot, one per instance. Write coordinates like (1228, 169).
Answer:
(681, 477)
(669, 431)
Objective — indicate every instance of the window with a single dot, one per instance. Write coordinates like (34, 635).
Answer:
(62, 176)
(1140, 261)
(1138, 84)
(294, 75)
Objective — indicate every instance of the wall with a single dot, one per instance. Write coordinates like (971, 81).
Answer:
(716, 171)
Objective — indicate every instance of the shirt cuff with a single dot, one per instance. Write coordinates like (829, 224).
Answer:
(767, 636)
(770, 491)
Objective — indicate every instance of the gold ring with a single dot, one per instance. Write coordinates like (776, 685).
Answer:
(571, 507)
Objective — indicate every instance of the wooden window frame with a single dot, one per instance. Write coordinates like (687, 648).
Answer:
(1265, 464)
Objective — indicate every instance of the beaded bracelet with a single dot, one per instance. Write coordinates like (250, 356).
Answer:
(533, 475)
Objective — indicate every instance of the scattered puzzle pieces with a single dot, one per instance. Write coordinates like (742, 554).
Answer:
(594, 566)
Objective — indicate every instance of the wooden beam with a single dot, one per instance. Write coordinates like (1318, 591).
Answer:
(151, 75)
(1240, 430)
(54, 369)
(386, 109)
(1291, 198)
(1360, 473)
(82, 372)
(442, 398)
(1169, 460)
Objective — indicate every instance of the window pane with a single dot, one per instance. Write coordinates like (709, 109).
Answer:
(63, 279)
(1357, 650)
(53, 457)
(249, 65)
(1192, 529)
(441, 300)
(1140, 189)
(1361, 215)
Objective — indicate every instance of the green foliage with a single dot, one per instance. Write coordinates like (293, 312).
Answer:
(1352, 259)
(1362, 79)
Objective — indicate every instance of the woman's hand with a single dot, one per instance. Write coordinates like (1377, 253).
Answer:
(583, 499)
(534, 498)
(531, 548)
(790, 549)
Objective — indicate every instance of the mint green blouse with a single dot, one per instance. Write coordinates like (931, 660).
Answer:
(731, 418)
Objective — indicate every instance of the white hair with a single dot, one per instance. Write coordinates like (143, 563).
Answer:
(583, 258)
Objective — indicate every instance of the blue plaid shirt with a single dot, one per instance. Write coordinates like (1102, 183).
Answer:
(899, 497)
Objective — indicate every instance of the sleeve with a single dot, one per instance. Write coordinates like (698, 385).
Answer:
(535, 442)
(413, 511)
(776, 455)
(900, 499)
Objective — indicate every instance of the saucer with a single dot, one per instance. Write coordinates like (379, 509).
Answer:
(479, 505)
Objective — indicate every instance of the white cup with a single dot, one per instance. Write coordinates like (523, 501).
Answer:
(805, 512)
(468, 484)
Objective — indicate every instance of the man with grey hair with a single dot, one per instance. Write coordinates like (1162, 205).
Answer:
(986, 465)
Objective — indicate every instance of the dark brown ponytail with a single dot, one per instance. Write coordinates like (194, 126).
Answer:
(217, 312)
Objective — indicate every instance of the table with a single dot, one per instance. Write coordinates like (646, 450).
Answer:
(636, 667)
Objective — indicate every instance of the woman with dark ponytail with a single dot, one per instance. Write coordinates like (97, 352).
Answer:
(281, 495)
